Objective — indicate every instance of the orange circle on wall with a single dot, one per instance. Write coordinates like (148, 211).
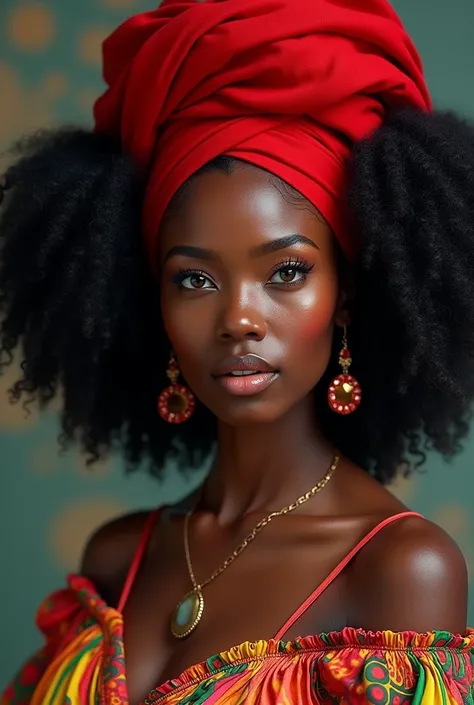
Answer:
(73, 525)
(31, 27)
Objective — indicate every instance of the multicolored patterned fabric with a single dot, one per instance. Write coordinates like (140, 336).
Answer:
(83, 663)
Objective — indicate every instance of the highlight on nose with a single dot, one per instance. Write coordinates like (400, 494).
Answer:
(241, 325)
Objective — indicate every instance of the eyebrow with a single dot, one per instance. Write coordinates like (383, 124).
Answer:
(280, 243)
(190, 251)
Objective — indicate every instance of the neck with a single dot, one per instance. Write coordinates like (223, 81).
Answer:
(264, 467)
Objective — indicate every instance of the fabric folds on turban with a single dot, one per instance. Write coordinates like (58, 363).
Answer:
(287, 85)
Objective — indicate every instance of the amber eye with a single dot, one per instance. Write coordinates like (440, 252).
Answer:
(288, 274)
(197, 281)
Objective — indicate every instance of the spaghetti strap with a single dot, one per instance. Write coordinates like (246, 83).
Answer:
(137, 558)
(339, 568)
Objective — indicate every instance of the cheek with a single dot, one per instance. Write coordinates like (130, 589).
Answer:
(186, 330)
(313, 325)
(311, 320)
(309, 335)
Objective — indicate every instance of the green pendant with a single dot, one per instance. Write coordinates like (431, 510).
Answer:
(187, 614)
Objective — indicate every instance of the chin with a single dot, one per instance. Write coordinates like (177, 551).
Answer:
(246, 412)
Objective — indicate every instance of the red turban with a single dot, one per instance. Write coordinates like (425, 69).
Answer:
(287, 85)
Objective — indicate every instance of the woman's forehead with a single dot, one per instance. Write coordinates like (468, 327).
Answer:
(249, 198)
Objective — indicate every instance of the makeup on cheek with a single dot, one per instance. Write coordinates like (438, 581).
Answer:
(310, 313)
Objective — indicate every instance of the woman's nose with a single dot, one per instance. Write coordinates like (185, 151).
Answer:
(241, 319)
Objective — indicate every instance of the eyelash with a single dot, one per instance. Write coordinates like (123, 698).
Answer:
(183, 274)
(298, 264)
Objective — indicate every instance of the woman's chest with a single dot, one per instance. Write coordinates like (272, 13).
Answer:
(248, 602)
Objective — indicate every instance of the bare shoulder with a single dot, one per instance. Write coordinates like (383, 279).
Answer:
(411, 576)
(109, 552)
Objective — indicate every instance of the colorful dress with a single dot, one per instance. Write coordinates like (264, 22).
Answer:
(82, 662)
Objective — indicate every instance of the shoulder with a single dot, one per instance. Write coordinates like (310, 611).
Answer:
(410, 577)
(109, 552)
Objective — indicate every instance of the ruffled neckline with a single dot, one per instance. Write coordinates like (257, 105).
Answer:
(325, 642)
(68, 611)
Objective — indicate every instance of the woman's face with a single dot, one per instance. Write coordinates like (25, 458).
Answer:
(249, 294)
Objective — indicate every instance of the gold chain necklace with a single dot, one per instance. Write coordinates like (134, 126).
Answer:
(189, 610)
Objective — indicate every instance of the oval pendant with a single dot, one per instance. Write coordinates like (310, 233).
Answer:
(344, 394)
(187, 614)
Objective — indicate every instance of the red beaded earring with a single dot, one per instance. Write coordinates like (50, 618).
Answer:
(176, 403)
(344, 393)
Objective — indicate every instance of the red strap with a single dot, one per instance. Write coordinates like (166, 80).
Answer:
(137, 558)
(339, 568)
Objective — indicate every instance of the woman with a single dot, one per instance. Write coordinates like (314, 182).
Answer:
(307, 221)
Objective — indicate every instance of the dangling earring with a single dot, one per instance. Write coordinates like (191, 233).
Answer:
(176, 403)
(344, 393)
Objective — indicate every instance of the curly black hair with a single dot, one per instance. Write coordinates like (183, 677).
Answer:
(79, 300)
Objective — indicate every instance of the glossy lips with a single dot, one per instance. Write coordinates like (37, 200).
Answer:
(246, 375)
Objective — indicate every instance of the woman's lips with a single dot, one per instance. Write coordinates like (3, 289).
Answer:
(247, 385)
(245, 375)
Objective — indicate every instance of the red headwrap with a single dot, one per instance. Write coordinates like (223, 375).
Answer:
(287, 85)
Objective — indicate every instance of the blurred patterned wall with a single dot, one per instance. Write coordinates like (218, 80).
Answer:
(50, 73)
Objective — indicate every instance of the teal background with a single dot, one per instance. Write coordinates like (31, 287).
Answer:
(49, 73)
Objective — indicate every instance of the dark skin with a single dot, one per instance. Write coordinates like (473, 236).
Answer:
(242, 289)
